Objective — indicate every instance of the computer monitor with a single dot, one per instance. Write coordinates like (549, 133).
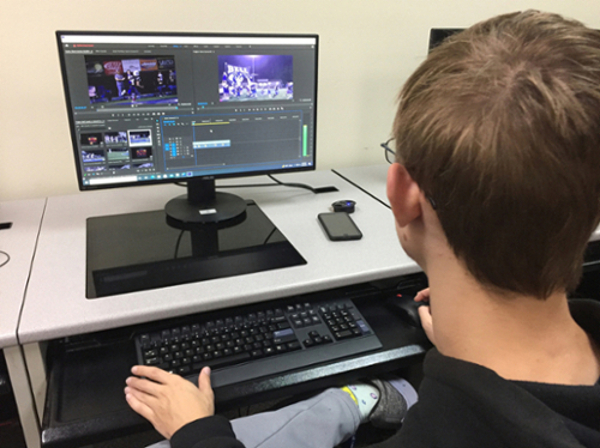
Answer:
(438, 35)
(151, 108)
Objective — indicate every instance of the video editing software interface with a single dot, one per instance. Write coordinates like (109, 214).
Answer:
(149, 108)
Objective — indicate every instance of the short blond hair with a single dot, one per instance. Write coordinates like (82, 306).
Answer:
(500, 126)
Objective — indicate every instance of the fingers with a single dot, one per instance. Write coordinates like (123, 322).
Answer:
(152, 373)
(204, 379)
(143, 385)
(427, 322)
(136, 401)
(422, 296)
(208, 397)
(169, 401)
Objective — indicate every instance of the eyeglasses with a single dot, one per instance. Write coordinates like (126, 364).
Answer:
(390, 156)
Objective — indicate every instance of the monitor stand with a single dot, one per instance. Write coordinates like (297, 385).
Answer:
(203, 205)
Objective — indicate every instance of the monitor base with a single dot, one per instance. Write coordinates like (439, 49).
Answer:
(224, 207)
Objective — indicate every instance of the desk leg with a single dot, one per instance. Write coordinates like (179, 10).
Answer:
(23, 397)
(36, 370)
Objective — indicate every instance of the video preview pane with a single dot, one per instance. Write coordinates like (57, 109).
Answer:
(256, 78)
(125, 81)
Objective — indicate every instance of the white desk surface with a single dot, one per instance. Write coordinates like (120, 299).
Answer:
(19, 242)
(56, 305)
(370, 178)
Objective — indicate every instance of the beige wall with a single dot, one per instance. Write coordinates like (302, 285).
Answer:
(368, 48)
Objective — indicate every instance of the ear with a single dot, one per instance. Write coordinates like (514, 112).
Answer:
(404, 195)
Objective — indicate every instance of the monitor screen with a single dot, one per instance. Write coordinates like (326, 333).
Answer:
(148, 108)
(438, 35)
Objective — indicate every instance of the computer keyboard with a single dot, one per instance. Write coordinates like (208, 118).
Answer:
(261, 342)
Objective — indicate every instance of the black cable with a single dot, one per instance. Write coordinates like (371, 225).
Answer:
(293, 185)
(7, 258)
(316, 190)
(270, 235)
(177, 244)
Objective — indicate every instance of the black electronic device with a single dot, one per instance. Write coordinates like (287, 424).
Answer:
(438, 35)
(344, 206)
(405, 307)
(263, 340)
(339, 226)
(150, 108)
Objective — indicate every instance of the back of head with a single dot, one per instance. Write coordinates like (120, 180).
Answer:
(500, 126)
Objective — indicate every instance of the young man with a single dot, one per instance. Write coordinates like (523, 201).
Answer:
(495, 193)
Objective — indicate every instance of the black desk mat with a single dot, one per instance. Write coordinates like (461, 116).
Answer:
(141, 251)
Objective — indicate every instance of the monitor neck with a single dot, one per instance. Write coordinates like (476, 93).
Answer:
(203, 205)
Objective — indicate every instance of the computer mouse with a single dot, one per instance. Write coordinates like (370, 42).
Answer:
(406, 308)
(344, 206)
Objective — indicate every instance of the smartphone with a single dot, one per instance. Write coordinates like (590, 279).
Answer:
(339, 226)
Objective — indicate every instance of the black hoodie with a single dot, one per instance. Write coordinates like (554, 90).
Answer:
(464, 405)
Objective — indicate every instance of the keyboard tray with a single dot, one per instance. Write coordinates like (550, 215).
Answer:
(86, 374)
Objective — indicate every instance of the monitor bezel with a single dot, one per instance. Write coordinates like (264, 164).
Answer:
(109, 185)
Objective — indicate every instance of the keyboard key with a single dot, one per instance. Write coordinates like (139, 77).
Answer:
(343, 334)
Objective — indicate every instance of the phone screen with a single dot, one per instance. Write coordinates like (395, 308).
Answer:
(339, 226)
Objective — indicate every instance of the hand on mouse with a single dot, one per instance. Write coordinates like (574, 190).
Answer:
(425, 314)
(169, 401)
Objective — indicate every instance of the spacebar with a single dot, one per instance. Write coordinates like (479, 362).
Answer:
(222, 362)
